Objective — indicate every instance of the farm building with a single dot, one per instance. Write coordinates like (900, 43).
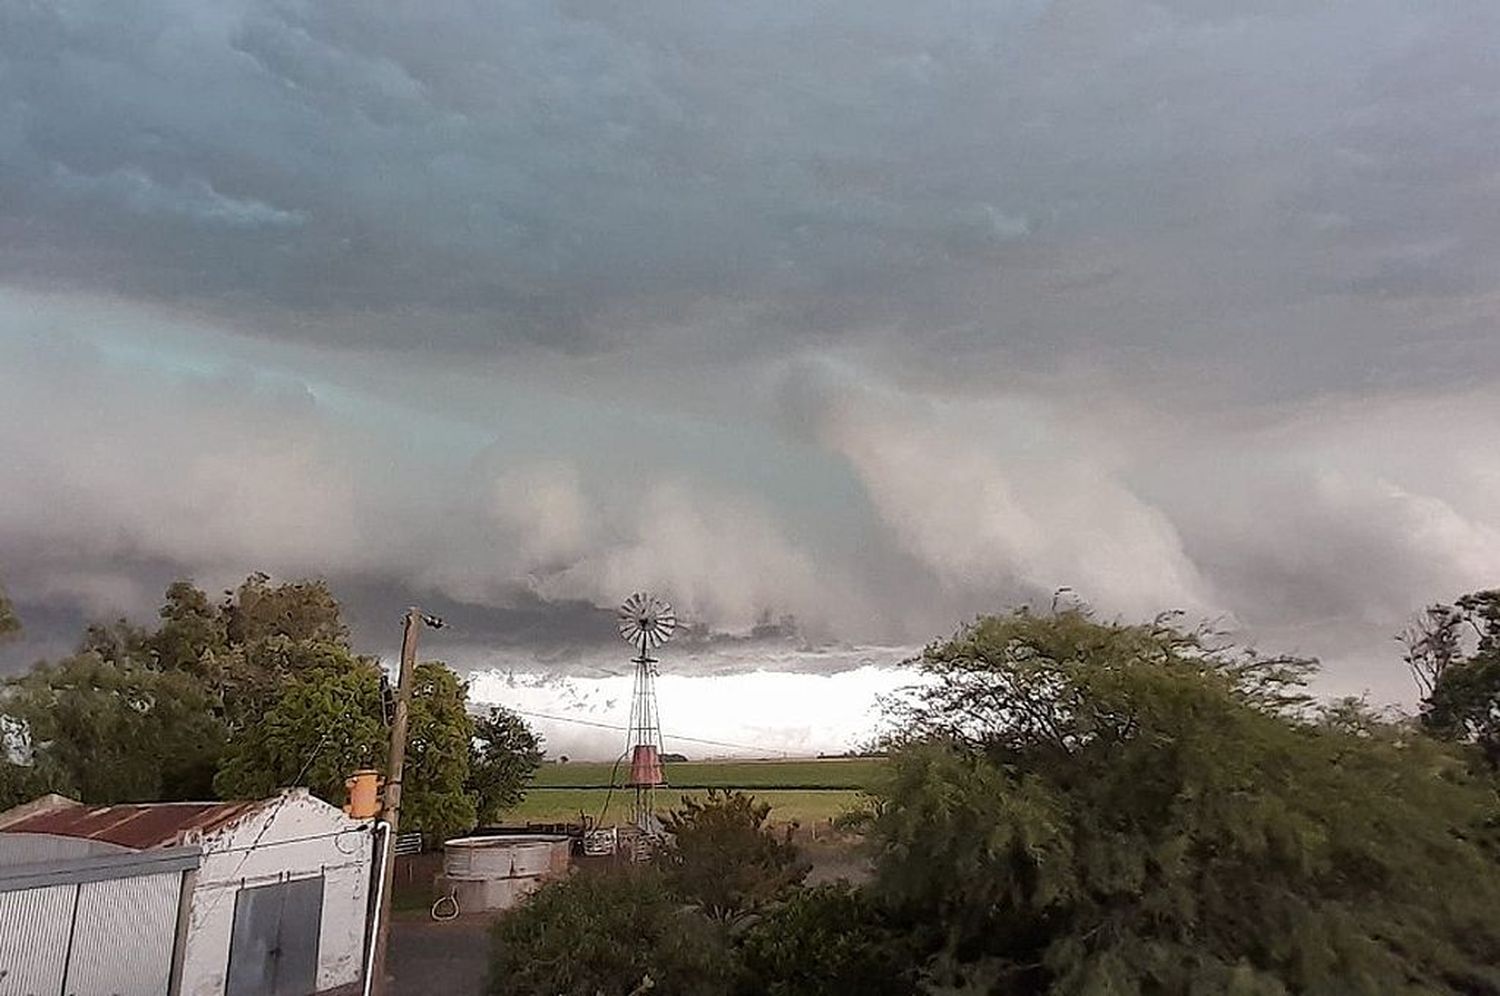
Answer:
(271, 895)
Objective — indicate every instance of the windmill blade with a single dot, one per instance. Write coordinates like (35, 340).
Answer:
(646, 621)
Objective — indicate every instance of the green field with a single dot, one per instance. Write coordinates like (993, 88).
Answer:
(563, 805)
(798, 773)
(806, 790)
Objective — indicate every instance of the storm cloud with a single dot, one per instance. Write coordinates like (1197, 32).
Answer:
(873, 314)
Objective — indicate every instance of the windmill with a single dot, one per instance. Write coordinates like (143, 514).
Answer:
(646, 622)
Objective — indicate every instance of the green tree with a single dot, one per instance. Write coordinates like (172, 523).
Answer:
(1462, 689)
(300, 611)
(244, 698)
(10, 624)
(504, 757)
(114, 732)
(723, 858)
(107, 725)
(121, 643)
(825, 940)
(322, 718)
(22, 781)
(437, 803)
(193, 635)
(1087, 808)
(272, 634)
(322, 724)
(617, 933)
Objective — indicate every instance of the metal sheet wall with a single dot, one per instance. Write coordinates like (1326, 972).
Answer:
(122, 939)
(34, 939)
(103, 938)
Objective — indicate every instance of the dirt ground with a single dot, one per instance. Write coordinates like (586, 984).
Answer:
(439, 959)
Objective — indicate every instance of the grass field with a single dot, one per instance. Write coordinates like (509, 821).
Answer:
(798, 773)
(562, 805)
(806, 790)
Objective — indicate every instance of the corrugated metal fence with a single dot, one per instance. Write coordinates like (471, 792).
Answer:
(103, 924)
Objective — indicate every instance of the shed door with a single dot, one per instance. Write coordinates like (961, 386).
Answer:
(274, 948)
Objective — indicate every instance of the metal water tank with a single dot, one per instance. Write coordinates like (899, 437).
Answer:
(494, 873)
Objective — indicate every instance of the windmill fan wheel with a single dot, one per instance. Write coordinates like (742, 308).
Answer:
(646, 621)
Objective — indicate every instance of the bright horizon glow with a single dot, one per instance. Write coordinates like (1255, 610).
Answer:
(751, 714)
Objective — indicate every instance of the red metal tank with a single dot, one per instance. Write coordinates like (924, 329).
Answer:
(645, 767)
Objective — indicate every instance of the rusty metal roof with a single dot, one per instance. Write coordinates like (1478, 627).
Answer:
(137, 825)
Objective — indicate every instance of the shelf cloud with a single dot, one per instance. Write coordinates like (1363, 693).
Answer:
(866, 315)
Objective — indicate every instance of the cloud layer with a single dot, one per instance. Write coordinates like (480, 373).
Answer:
(873, 314)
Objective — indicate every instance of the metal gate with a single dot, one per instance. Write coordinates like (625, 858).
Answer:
(274, 948)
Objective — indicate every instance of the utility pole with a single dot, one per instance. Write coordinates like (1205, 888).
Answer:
(415, 620)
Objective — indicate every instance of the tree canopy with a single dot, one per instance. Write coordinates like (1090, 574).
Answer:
(241, 698)
(322, 723)
(1454, 653)
(9, 622)
(506, 753)
(300, 611)
(111, 733)
(439, 801)
(1083, 807)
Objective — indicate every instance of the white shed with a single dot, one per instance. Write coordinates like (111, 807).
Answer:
(279, 903)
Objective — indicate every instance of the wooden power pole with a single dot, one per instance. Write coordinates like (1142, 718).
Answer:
(392, 809)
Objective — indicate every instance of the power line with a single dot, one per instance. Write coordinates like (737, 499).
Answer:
(674, 736)
(331, 835)
(271, 817)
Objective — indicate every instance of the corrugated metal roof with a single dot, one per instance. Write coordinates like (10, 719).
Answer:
(138, 825)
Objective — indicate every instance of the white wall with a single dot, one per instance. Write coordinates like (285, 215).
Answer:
(305, 837)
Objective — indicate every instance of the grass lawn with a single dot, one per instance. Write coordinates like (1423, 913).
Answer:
(800, 773)
(558, 805)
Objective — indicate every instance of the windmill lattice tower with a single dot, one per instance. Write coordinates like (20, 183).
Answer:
(646, 622)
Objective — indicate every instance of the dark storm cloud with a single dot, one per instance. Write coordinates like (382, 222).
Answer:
(872, 312)
(1114, 177)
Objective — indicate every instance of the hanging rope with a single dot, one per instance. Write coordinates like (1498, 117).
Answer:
(442, 915)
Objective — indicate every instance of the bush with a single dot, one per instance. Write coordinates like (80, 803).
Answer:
(724, 859)
(825, 940)
(616, 933)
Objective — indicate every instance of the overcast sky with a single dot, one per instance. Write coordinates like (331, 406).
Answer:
(871, 312)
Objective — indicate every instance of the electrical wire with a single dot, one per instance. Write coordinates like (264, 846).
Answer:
(676, 736)
(281, 801)
(334, 835)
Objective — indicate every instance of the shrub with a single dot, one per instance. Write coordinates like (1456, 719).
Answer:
(723, 858)
(825, 940)
(617, 933)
